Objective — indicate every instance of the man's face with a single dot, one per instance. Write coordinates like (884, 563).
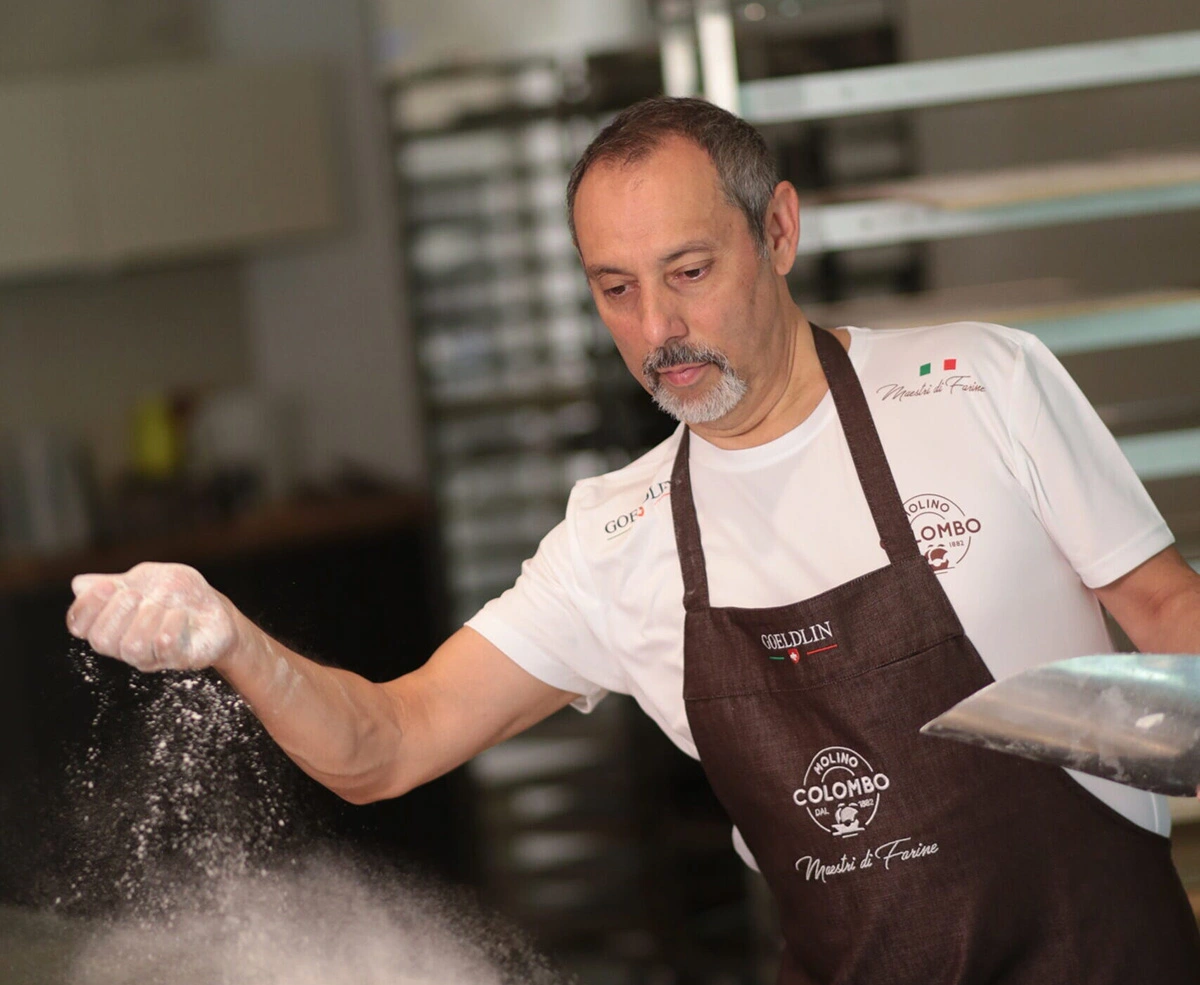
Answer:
(679, 281)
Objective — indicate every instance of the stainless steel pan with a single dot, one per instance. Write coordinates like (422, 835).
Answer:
(1129, 717)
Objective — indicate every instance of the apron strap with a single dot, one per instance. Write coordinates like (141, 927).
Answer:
(866, 450)
(687, 530)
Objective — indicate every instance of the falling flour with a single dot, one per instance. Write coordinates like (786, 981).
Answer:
(178, 784)
(182, 841)
(323, 923)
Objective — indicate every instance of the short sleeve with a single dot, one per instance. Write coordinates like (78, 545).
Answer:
(544, 625)
(1083, 488)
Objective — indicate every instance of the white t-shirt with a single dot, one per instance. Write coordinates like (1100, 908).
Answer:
(1016, 491)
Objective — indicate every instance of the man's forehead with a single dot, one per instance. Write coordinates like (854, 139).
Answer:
(675, 192)
(683, 159)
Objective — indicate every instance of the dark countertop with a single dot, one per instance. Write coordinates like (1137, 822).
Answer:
(280, 525)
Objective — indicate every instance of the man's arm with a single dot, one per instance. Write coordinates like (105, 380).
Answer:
(1157, 604)
(364, 741)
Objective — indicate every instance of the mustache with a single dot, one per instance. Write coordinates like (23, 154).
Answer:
(675, 353)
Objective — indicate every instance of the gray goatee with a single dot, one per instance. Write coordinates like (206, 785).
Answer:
(711, 405)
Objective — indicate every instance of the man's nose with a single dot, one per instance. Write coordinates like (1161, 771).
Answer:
(661, 318)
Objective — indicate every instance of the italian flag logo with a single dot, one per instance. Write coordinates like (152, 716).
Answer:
(947, 364)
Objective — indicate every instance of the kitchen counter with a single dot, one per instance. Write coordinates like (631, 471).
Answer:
(279, 525)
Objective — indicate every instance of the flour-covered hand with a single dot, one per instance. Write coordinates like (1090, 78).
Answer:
(154, 617)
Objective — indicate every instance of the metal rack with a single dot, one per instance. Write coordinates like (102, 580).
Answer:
(945, 81)
(525, 393)
(517, 371)
(1155, 456)
(834, 37)
(941, 82)
(853, 225)
(1142, 324)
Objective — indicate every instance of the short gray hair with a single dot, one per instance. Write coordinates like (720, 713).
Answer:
(745, 165)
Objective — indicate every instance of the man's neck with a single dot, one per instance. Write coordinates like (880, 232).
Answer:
(782, 407)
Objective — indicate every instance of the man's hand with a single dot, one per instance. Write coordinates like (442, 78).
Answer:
(154, 617)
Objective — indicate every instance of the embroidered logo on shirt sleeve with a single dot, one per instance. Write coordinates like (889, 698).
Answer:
(620, 525)
(950, 382)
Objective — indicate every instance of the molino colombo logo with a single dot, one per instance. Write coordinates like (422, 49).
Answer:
(942, 528)
(841, 791)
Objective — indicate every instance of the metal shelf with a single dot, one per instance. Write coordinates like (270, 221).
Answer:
(971, 79)
(1164, 455)
(1067, 322)
(855, 225)
(1168, 321)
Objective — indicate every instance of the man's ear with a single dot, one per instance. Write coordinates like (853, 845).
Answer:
(782, 227)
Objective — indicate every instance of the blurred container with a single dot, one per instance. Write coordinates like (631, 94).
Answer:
(244, 437)
(156, 449)
(45, 494)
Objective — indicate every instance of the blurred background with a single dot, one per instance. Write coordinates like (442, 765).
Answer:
(286, 293)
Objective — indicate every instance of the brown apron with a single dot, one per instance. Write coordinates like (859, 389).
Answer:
(896, 858)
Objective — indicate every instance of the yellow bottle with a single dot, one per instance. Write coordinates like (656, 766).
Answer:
(157, 447)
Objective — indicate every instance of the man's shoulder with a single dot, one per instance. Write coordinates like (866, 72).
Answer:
(955, 359)
(607, 506)
(973, 336)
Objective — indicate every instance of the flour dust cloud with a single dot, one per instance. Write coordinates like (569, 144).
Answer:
(181, 851)
(324, 923)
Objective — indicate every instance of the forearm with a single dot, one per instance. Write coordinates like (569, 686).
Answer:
(364, 741)
(341, 729)
(1177, 628)
(1157, 604)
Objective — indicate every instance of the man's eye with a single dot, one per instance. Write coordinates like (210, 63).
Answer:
(616, 292)
(694, 273)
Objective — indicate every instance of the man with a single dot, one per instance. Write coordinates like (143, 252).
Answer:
(777, 612)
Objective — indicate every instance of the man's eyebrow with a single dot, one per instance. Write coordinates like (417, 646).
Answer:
(693, 246)
(598, 270)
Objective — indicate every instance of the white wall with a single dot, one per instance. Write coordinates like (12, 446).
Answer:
(323, 322)
(76, 355)
(68, 35)
(415, 33)
(327, 321)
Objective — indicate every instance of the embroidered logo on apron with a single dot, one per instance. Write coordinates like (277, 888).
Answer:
(841, 791)
(795, 643)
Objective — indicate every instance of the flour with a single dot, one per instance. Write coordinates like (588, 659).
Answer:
(179, 772)
(183, 840)
(323, 922)
(285, 680)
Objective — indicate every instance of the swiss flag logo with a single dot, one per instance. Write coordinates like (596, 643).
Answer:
(794, 654)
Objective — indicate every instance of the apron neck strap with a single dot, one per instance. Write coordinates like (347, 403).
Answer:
(687, 530)
(866, 451)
